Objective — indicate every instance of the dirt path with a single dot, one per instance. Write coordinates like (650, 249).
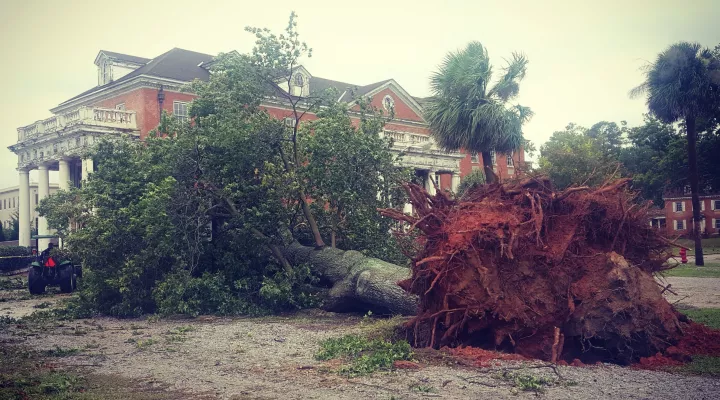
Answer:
(273, 358)
(694, 292)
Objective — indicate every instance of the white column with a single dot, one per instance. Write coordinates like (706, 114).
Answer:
(87, 168)
(24, 209)
(407, 208)
(455, 182)
(429, 183)
(43, 192)
(64, 174)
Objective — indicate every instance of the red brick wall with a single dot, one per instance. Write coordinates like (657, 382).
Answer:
(671, 215)
(402, 110)
(144, 103)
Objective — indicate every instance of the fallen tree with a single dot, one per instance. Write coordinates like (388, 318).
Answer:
(357, 282)
(549, 275)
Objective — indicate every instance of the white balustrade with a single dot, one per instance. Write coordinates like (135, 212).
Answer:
(92, 116)
(407, 138)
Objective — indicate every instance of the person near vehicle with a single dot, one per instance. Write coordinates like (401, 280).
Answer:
(46, 253)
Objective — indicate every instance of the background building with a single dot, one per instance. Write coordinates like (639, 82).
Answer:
(9, 201)
(133, 91)
(679, 216)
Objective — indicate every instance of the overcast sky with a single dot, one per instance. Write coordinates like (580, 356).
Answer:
(584, 55)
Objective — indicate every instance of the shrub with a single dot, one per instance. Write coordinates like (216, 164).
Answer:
(180, 293)
(471, 180)
(17, 257)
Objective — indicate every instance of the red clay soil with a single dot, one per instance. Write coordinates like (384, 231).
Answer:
(480, 357)
(697, 340)
(521, 268)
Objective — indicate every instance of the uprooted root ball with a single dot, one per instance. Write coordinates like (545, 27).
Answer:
(551, 275)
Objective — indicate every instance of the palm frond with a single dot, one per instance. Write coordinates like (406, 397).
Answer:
(464, 113)
(680, 82)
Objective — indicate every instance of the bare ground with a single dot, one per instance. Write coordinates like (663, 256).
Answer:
(270, 358)
(693, 292)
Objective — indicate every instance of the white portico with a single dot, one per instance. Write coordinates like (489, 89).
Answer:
(61, 143)
(429, 162)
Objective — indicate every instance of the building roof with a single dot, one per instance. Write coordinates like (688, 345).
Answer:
(177, 64)
(347, 90)
(125, 57)
(671, 196)
(185, 66)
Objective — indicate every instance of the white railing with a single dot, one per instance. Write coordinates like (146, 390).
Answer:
(407, 138)
(93, 116)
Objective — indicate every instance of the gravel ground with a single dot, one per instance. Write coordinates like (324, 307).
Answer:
(694, 292)
(272, 358)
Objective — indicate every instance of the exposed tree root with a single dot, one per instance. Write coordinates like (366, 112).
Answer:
(555, 276)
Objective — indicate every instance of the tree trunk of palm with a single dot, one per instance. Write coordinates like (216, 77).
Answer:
(694, 187)
(490, 176)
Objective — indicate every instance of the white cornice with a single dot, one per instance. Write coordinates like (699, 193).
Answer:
(140, 81)
(709, 196)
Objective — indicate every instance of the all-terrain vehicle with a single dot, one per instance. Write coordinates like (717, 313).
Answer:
(51, 268)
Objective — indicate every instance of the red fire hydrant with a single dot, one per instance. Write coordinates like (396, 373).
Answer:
(683, 255)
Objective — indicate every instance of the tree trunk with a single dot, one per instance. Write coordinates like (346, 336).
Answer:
(358, 282)
(694, 187)
(490, 176)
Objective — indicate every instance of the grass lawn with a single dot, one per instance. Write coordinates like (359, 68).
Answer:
(710, 246)
(705, 316)
(703, 365)
(709, 270)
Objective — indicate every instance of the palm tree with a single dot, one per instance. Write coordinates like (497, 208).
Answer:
(467, 113)
(682, 85)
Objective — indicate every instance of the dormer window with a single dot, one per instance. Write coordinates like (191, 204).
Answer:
(298, 85)
(299, 80)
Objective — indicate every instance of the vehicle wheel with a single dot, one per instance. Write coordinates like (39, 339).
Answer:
(36, 283)
(68, 283)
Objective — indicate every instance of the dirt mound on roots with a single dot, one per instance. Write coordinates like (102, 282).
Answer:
(518, 267)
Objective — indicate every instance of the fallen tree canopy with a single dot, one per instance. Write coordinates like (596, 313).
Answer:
(549, 275)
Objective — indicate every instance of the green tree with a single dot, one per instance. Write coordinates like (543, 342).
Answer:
(574, 157)
(468, 112)
(609, 137)
(656, 158)
(350, 173)
(199, 216)
(683, 84)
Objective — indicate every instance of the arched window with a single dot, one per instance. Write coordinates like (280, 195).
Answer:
(388, 103)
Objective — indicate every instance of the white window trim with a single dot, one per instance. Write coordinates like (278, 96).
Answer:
(120, 106)
(677, 226)
(290, 122)
(493, 157)
(702, 205)
(176, 105)
(682, 206)
(715, 223)
(713, 203)
(510, 162)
